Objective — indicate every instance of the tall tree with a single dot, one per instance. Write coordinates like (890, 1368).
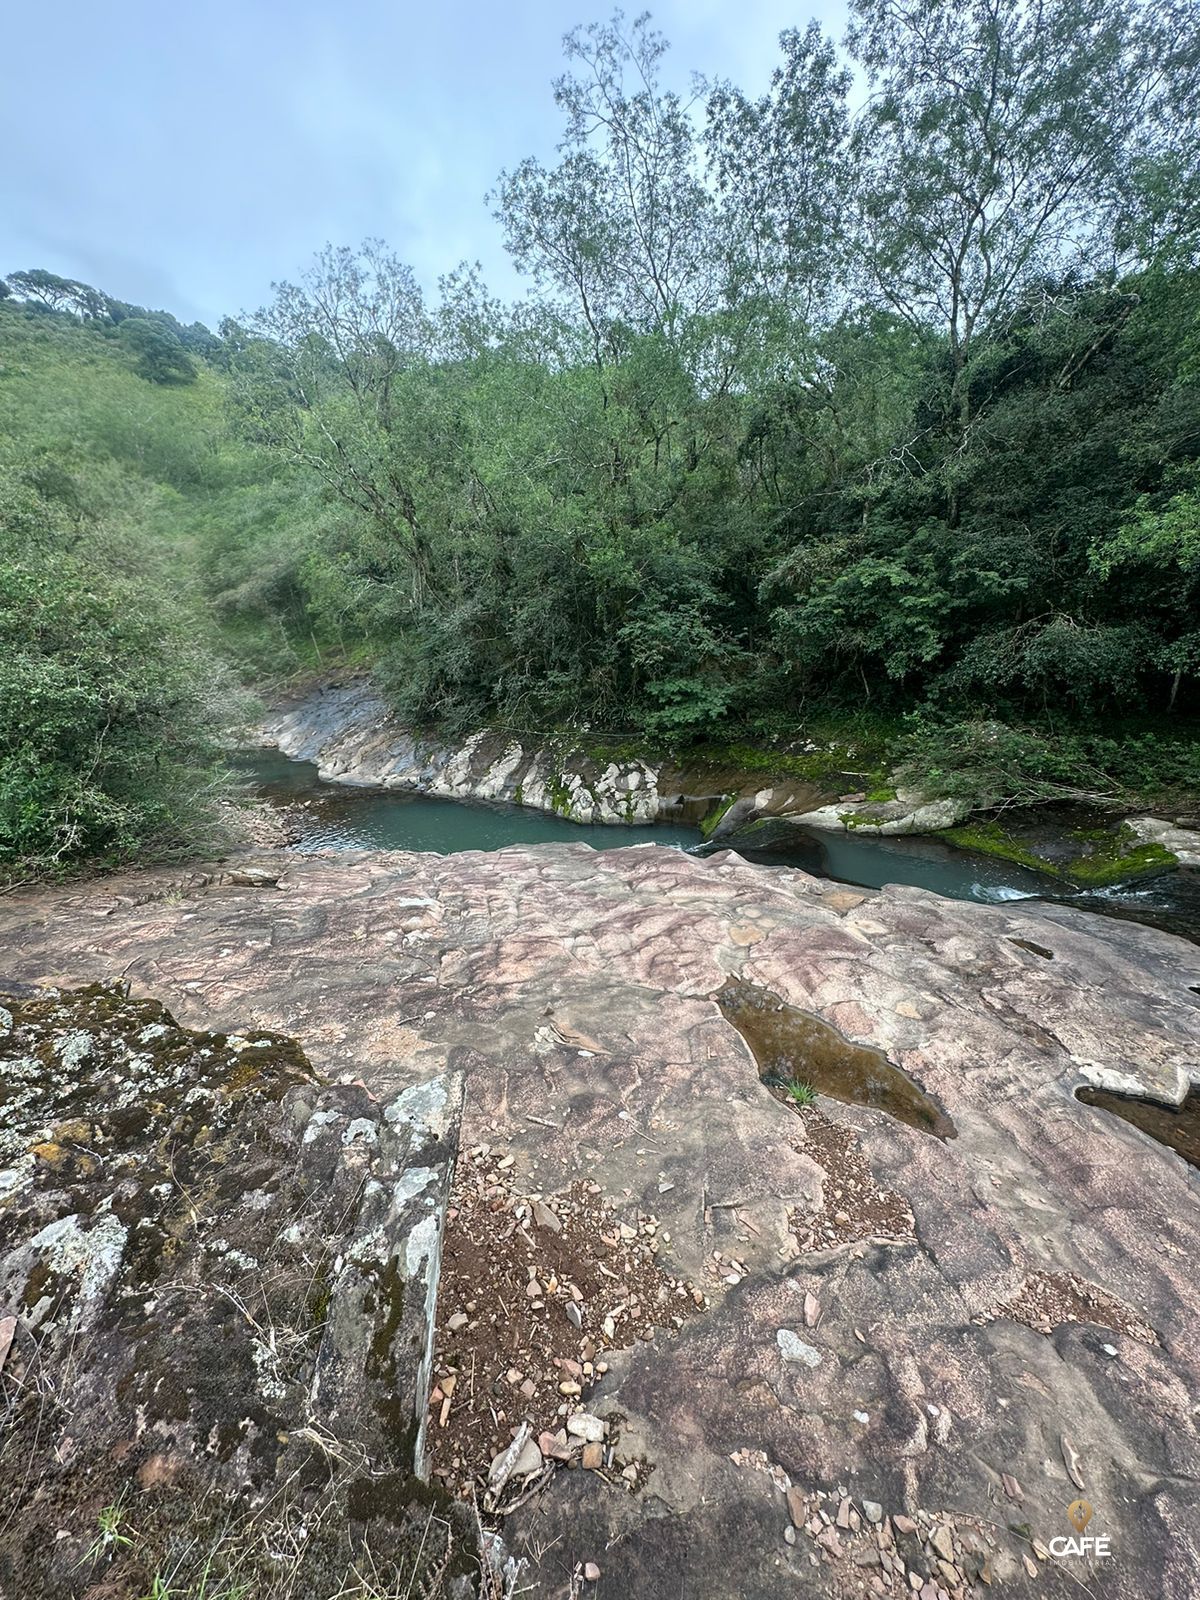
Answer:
(322, 380)
(47, 289)
(998, 139)
(780, 165)
(623, 225)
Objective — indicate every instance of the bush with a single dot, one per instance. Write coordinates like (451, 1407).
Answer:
(993, 764)
(109, 714)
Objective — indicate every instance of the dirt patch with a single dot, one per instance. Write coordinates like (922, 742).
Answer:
(1048, 1299)
(918, 1557)
(535, 1292)
(856, 1208)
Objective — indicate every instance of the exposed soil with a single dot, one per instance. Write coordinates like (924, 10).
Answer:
(855, 1208)
(535, 1292)
(1048, 1299)
(920, 1557)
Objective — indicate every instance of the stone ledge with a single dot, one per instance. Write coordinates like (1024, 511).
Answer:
(219, 1277)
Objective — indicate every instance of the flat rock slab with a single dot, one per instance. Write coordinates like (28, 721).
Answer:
(1004, 1323)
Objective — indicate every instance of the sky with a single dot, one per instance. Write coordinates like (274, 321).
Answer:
(184, 156)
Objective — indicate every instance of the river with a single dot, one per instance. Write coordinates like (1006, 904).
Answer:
(339, 817)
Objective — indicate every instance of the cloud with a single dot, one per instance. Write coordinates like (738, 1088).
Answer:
(189, 156)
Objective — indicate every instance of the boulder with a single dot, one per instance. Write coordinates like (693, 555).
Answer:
(906, 814)
(219, 1273)
(1183, 843)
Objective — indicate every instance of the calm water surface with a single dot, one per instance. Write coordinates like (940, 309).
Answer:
(339, 817)
(330, 816)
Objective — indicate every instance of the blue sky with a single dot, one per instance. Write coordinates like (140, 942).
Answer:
(182, 156)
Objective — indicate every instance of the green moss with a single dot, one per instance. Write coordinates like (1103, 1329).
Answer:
(320, 1295)
(1111, 855)
(850, 820)
(560, 796)
(881, 796)
(708, 822)
(990, 839)
(622, 752)
(387, 1307)
(814, 766)
(1116, 859)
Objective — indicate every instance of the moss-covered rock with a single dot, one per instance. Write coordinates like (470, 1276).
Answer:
(1090, 858)
(712, 819)
(222, 1274)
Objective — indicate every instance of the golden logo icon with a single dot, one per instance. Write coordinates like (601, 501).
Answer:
(1079, 1512)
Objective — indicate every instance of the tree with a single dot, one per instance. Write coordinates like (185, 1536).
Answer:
(160, 356)
(997, 146)
(624, 225)
(320, 378)
(109, 718)
(780, 165)
(48, 290)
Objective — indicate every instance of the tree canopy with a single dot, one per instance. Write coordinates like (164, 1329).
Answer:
(878, 394)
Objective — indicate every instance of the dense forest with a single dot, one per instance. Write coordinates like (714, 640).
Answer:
(870, 404)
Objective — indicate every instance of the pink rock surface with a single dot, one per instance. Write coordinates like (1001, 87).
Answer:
(387, 967)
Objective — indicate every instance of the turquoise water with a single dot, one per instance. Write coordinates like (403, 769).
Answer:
(327, 816)
(334, 816)
(1170, 900)
(870, 861)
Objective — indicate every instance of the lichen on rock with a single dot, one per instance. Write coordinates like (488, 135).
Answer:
(222, 1328)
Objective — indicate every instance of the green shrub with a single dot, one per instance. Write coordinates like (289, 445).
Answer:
(992, 764)
(109, 713)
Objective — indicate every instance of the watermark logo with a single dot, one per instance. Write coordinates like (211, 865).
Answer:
(1079, 1514)
(1098, 1546)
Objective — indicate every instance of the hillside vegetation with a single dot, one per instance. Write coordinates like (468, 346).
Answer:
(883, 424)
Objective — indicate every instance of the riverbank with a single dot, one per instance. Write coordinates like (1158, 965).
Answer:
(735, 795)
(344, 726)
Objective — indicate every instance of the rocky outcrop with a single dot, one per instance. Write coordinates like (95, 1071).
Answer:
(347, 730)
(217, 1282)
(908, 813)
(811, 1349)
(1183, 843)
